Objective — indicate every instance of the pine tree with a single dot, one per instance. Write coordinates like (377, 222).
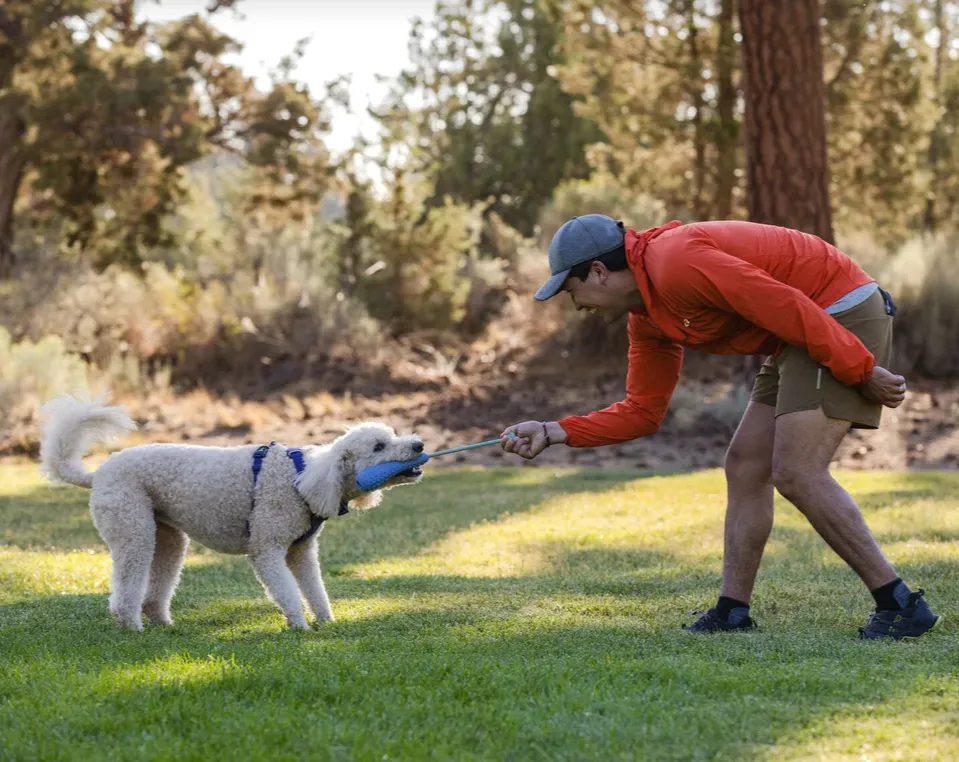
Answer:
(100, 113)
(787, 176)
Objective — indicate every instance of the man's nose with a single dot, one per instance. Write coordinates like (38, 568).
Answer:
(417, 447)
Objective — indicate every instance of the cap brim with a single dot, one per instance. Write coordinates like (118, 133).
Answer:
(553, 286)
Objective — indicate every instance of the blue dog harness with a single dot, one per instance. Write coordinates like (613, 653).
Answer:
(299, 463)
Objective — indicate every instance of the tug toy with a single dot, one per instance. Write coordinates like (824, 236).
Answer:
(374, 477)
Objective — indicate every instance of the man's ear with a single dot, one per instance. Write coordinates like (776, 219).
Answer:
(602, 272)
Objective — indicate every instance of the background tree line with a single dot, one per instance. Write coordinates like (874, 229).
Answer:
(131, 146)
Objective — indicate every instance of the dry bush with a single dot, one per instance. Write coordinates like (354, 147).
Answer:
(419, 279)
(146, 332)
(696, 406)
(601, 194)
(30, 374)
(923, 278)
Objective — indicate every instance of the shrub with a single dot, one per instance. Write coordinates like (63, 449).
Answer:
(30, 374)
(922, 278)
(411, 264)
(601, 194)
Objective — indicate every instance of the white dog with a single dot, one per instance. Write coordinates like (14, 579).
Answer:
(268, 502)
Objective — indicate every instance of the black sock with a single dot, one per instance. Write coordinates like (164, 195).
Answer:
(724, 605)
(891, 597)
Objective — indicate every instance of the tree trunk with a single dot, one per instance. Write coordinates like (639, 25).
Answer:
(695, 78)
(12, 161)
(727, 134)
(12, 128)
(787, 177)
(935, 139)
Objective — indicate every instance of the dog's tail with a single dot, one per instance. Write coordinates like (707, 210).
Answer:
(72, 427)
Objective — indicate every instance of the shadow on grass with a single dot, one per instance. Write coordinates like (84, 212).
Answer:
(222, 600)
(583, 658)
(409, 519)
(225, 589)
(456, 681)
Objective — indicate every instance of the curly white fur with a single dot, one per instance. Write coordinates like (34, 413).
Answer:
(149, 500)
(75, 426)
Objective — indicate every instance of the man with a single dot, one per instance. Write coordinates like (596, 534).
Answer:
(745, 288)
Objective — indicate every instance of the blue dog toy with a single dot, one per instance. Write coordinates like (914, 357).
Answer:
(375, 477)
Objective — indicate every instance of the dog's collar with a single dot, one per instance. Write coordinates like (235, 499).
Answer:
(299, 463)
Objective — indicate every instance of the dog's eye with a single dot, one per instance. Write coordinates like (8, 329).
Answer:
(380, 446)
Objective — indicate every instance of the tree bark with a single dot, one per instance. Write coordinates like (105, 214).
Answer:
(12, 129)
(12, 161)
(727, 134)
(935, 139)
(695, 78)
(787, 176)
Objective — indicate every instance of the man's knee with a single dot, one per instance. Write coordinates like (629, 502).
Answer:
(748, 467)
(794, 480)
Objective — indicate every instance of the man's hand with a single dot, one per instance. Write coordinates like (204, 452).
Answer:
(884, 387)
(532, 437)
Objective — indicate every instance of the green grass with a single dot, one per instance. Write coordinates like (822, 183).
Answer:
(505, 615)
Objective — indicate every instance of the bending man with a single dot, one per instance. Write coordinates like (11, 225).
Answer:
(745, 288)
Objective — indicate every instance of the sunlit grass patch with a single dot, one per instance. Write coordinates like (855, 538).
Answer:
(502, 614)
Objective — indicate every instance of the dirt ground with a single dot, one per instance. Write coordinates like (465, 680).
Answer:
(923, 433)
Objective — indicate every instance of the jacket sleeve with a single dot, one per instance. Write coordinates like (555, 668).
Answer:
(655, 363)
(719, 280)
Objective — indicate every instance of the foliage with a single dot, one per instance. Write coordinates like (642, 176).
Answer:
(33, 372)
(662, 81)
(414, 258)
(169, 215)
(878, 87)
(601, 194)
(921, 276)
(100, 113)
(658, 79)
(487, 118)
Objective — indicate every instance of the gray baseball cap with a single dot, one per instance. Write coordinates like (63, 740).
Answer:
(579, 240)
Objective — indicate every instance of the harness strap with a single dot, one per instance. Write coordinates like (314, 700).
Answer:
(258, 457)
(299, 463)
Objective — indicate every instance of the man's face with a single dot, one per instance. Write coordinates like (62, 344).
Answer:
(596, 294)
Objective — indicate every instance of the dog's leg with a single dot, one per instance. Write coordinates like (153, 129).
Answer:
(302, 560)
(129, 530)
(271, 570)
(171, 547)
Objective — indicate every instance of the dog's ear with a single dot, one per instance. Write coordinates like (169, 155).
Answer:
(367, 500)
(321, 483)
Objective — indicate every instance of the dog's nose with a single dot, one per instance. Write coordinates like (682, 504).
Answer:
(417, 447)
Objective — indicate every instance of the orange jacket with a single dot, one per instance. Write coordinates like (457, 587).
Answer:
(724, 288)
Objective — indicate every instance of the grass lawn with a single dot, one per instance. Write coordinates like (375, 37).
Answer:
(519, 614)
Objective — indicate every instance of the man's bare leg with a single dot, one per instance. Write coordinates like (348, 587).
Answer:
(804, 446)
(749, 518)
(749, 508)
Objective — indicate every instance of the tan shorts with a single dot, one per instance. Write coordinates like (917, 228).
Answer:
(793, 381)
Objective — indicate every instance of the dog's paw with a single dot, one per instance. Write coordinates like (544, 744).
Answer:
(321, 617)
(157, 617)
(134, 623)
